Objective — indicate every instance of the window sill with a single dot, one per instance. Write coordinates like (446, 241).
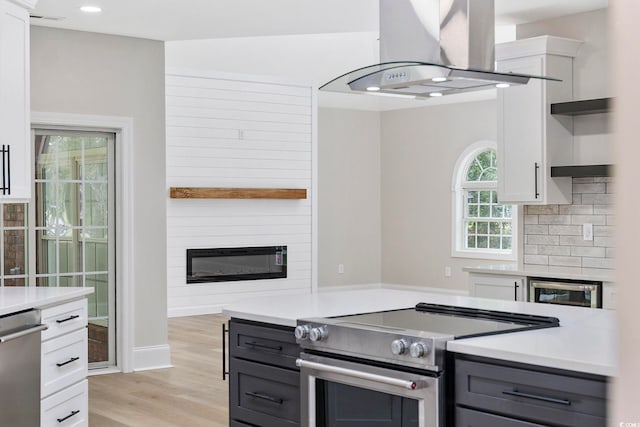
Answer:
(484, 255)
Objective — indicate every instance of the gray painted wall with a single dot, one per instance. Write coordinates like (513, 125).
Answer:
(419, 150)
(90, 73)
(348, 197)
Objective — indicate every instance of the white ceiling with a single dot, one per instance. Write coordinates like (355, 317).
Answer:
(209, 19)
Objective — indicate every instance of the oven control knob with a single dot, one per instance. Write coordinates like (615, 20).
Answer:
(418, 349)
(318, 334)
(302, 332)
(399, 347)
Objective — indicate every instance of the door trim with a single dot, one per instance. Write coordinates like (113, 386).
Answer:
(125, 292)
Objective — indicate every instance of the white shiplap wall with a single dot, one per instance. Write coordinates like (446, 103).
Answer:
(228, 130)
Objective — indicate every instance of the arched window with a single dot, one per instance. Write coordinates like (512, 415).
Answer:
(483, 227)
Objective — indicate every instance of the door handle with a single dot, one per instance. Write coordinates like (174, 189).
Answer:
(73, 359)
(408, 384)
(264, 346)
(515, 290)
(19, 334)
(537, 397)
(224, 352)
(535, 179)
(66, 319)
(72, 414)
(265, 397)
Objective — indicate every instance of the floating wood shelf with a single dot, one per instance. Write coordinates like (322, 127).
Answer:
(237, 193)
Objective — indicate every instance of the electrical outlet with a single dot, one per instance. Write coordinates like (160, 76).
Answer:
(447, 272)
(340, 268)
(587, 231)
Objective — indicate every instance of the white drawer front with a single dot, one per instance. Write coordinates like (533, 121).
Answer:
(64, 318)
(64, 361)
(67, 408)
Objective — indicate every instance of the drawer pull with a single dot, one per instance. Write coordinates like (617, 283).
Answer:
(264, 346)
(265, 397)
(537, 397)
(72, 414)
(75, 316)
(73, 359)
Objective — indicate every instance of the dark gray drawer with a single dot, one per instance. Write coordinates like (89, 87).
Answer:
(531, 395)
(471, 418)
(264, 395)
(264, 344)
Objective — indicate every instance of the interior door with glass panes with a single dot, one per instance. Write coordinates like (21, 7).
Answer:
(73, 214)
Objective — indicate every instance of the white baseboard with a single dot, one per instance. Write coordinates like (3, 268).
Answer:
(151, 357)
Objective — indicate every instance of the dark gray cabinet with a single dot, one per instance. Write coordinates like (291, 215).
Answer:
(490, 393)
(264, 382)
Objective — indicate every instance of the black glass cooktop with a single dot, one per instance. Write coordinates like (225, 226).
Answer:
(441, 320)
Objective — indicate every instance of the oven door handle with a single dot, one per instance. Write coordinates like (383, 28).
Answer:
(408, 384)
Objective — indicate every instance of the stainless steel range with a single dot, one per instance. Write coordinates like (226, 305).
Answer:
(371, 369)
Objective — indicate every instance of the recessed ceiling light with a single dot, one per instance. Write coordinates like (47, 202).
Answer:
(439, 79)
(435, 94)
(503, 85)
(91, 9)
(373, 88)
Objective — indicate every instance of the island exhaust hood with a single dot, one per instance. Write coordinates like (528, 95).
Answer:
(432, 48)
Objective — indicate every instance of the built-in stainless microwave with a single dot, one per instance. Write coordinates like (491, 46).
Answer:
(579, 293)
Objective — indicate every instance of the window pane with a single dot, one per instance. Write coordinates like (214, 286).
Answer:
(473, 211)
(483, 242)
(14, 214)
(497, 211)
(506, 243)
(506, 228)
(471, 227)
(494, 197)
(489, 175)
(15, 252)
(485, 211)
(47, 281)
(96, 199)
(475, 171)
(471, 242)
(484, 159)
(15, 282)
(472, 197)
(508, 211)
(494, 242)
(483, 228)
(485, 196)
(70, 256)
(69, 281)
(494, 228)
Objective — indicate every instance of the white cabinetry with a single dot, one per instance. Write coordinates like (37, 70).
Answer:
(15, 111)
(511, 288)
(530, 140)
(64, 365)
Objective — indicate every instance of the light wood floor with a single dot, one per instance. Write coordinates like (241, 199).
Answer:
(191, 394)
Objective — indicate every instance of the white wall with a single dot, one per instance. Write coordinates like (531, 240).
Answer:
(626, 62)
(316, 58)
(419, 150)
(349, 197)
(90, 73)
(238, 131)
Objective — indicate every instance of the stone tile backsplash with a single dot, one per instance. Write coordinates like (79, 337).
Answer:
(553, 233)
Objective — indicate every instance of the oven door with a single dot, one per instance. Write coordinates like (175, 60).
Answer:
(580, 294)
(348, 394)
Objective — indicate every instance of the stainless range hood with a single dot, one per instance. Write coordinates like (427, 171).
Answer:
(431, 48)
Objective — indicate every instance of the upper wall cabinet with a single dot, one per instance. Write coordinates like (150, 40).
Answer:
(15, 111)
(530, 140)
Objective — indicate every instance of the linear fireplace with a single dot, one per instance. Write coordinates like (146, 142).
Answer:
(229, 264)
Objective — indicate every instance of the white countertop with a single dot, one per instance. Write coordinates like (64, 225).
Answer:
(576, 273)
(585, 340)
(13, 299)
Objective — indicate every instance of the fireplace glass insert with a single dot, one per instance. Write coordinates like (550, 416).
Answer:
(229, 264)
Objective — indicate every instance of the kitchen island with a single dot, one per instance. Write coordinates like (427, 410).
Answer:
(552, 376)
(584, 342)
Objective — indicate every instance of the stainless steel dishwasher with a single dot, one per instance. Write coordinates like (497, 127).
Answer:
(20, 368)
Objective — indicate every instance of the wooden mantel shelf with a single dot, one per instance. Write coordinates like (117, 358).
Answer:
(237, 193)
